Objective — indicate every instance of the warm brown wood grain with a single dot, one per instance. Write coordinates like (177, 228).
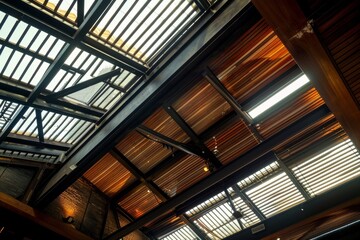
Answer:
(295, 31)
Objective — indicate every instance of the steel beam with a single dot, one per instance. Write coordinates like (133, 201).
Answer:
(25, 162)
(242, 161)
(248, 202)
(30, 149)
(233, 208)
(39, 125)
(157, 137)
(31, 141)
(207, 154)
(216, 83)
(330, 199)
(80, 86)
(131, 113)
(293, 179)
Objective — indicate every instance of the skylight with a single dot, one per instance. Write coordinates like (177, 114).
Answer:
(329, 168)
(278, 96)
(180, 234)
(141, 36)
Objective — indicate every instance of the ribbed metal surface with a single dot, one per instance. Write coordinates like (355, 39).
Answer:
(326, 126)
(161, 122)
(341, 36)
(140, 29)
(140, 201)
(219, 222)
(142, 152)
(231, 142)
(184, 173)
(292, 111)
(180, 234)
(259, 175)
(275, 195)
(201, 106)
(65, 10)
(29, 155)
(218, 198)
(252, 62)
(329, 168)
(109, 175)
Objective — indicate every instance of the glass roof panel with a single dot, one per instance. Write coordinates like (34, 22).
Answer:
(7, 111)
(139, 29)
(182, 233)
(65, 10)
(275, 194)
(329, 168)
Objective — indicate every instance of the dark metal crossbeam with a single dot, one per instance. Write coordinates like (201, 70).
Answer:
(40, 57)
(242, 161)
(33, 184)
(64, 108)
(248, 202)
(233, 208)
(31, 141)
(216, 83)
(30, 149)
(293, 179)
(27, 163)
(39, 125)
(168, 141)
(102, 78)
(152, 187)
(80, 12)
(194, 137)
(131, 114)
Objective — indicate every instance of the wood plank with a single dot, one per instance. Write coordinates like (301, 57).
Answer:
(22, 216)
(298, 35)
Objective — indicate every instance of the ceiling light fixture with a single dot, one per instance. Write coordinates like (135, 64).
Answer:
(278, 96)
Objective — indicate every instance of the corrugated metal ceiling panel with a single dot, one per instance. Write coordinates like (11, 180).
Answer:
(252, 62)
(140, 201)
(202, 106)
(162, 123)
(109, 175)
(231, 142)
(275, 195)
(182, 175)
(292, 111)
(142, 152)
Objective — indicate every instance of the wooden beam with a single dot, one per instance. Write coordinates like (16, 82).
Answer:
(298, 35)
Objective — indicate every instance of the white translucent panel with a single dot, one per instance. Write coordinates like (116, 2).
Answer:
(219, 222)
(57, 79)
(25, 42)
(279, 96)
(39, 41)
(40, 73)
(5, 54)
(15, 37)
(45, 48)
(72, 57)
(275, 195)
(87, 5)
(80, 59)
(26, 124)
(86, 94)
(259, 175)
(22, 66)
(2, 15)
(30, 71)
(15, 58)
(56, 49)
(207, 204)
(329, 169)
(7, 27)
(180, 234)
